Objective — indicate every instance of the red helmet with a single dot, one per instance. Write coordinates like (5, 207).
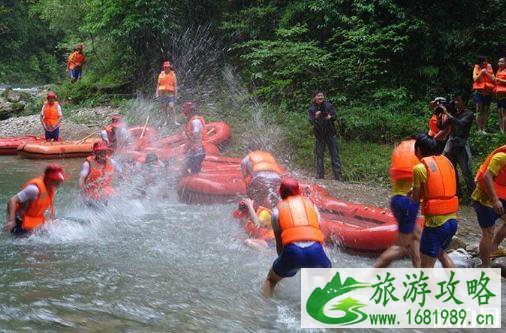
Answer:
(188, 107)
(288, 187)
(100, 146)
(51, 94)
(116, 120)
(166, 64)
(54, 172)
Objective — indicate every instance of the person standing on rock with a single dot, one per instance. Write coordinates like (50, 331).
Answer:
(50, 117)
(490, 202)
(166, 91)
(322, 116)
(75, 63)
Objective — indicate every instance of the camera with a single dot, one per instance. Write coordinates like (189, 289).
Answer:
(441, 102)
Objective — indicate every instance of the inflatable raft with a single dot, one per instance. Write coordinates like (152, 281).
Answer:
(9, 146)
(56, 150)
(217, 133)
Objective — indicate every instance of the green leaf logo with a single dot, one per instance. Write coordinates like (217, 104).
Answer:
(349, 306)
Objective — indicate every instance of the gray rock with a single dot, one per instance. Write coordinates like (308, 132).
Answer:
(500, 263)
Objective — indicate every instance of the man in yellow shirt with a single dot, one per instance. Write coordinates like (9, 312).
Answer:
(434, 183)
(490, 201)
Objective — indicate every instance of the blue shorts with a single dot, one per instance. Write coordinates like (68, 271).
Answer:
(76, 73)
(501, 104)
(405, 211)
(486, 215)
(55, 134)
(482, 99)
(293, 258)
(436, 239)
(167, 99)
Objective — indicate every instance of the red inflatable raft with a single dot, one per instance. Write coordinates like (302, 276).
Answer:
(9, 146)
(217, 133)
(219, 181)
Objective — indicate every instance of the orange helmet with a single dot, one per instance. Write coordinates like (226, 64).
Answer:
(100, 146)
(166, 64)
(188, 107)
(51, 94)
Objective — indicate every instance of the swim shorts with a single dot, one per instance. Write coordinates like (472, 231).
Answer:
(54, 135)
(486, 215)
(482, 99)
(501, 103)
(294, 257)
(405, 211)
(76, 73)
(436, 239)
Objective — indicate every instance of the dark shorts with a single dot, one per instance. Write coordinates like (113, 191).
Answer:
(76, 73)
(293, 258)
(167, 99)
(194, 162)
(486, 215)
(405, 211)
(17, 230)
(434, 240)
(52, 135)
(482, 99)
(501, 104)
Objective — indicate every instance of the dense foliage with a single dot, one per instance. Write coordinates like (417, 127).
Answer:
(378, 61)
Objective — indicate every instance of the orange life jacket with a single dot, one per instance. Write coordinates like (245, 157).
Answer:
(34, 214)
(263, 161)
(99, 179)
(75, 59)
(403, 161)
(440, 189)
(298, 220)
(500, 88)
(499, 180)
(50, 114)
(484, 84)
(167, 82)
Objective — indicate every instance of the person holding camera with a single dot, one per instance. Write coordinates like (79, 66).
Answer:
(457, 147)
(439, 135)
(322, 115)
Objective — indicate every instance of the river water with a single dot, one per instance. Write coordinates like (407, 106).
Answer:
(142, 265)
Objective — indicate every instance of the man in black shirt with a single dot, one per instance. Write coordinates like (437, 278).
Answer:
(457, 148)
(322, 115)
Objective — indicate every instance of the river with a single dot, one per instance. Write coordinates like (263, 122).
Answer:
(142, 265)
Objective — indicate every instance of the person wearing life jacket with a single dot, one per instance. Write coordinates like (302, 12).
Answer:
(257, 223)
(26, 211)
(435, 132)
(96, 176)
(296, 225)
(75, 63)
(50, 117)
(262, 175)
(166, 90)
(434, 183)
(500, 93)
(115, 135)
(489, 202)
(404, 209)
(196, 134)
(483, 86)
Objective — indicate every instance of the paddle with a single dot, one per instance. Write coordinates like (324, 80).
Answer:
(86, 137)
(144, 128)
